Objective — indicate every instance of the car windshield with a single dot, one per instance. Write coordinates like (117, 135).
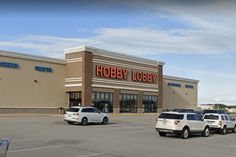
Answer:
(73, 110)
(215, 117)
(171, 116)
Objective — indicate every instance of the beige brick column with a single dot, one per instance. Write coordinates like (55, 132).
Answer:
(160, 87)
(140, 102)
(87, 74)
(116, 101)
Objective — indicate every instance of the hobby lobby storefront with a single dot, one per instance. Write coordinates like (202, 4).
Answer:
(109, 81)
(113, 82)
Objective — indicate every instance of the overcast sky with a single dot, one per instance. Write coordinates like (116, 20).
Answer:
(195, 39)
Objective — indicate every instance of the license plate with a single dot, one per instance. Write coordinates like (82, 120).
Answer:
(163, 130)
(210, 122)
(165, 122)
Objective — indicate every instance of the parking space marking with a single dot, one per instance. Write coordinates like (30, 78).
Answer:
(36, 148)
(93, 154)
(134, 127)
(22, 140)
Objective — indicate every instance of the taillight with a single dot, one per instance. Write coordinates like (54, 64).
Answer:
(76, 114)
(176, 122)
(220, 123)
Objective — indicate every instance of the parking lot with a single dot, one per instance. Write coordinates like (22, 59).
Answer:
(48, 135)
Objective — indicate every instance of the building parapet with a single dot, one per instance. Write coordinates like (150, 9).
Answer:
(115, 55)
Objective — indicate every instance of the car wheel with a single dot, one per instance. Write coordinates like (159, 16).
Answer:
(105, 121)
(206, 132)
(68, 122)
(162, 133)
(224, 130)
(234, 129)
(84, 121)
(185, 133)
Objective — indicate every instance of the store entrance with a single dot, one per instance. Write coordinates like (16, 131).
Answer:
(102, 101)
(75, 99)
(128, 103)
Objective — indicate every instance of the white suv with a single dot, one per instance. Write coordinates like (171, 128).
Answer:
(220, 122)
(182, 124)
(85, 115)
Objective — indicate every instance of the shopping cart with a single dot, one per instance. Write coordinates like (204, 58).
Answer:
(4, 144)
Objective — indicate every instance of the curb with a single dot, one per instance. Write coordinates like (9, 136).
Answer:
(133, 114)
(28, 115)
(58, 115)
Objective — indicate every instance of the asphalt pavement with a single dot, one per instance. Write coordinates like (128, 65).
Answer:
(125, 136)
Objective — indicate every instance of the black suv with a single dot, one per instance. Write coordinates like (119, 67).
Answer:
(214, 111)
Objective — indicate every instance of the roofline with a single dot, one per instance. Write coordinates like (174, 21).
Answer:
(31, 57)
(112, 54)
(180, 79)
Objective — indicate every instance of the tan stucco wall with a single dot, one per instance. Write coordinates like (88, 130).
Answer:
(27, 88)
(179, 97)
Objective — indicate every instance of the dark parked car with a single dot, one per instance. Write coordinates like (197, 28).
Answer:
(214, 111)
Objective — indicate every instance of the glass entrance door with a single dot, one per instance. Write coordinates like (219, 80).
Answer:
(102, 101)
(150, 103)
(75, 99)
(128, 103)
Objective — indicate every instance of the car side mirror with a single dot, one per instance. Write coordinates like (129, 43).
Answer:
(233, 119)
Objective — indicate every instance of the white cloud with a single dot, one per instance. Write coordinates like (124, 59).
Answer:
(44, 45)
(225, 99)
(208, 39)
(215, 8)
(212, 32)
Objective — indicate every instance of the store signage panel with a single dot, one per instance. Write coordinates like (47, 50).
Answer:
(189, 86)
(124, 74)
(174, 84)
(43, 69)
(9, 65)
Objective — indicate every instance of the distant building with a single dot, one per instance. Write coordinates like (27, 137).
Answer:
(231, 110)
(206, 106)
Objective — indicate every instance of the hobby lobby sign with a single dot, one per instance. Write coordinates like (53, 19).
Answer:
(124, 74)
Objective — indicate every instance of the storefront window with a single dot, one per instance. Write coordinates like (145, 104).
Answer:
(150, 103)
(74, 99)
(102, 101)
(128, 103)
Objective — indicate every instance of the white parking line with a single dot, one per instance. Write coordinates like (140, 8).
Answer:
(35, 148)
(22, 140)
(88, 155)
(135, 127)
(232, 145)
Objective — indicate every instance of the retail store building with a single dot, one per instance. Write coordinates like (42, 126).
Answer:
(112, 82)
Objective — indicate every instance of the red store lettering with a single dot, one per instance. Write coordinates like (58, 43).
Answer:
(109, 72)
(143, 77)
